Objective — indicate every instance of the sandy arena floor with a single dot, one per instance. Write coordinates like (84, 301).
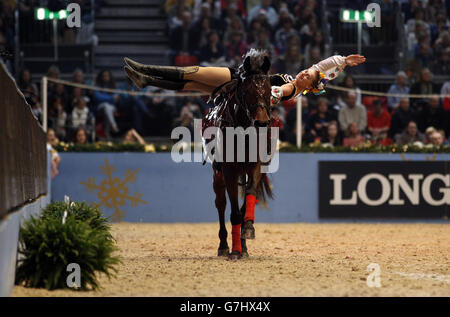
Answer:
(285, 260)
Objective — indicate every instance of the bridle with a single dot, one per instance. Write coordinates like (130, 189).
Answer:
(260, 90)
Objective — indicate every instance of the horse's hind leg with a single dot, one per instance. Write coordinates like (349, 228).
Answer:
(243, 240)
(248, 231)
(221, 203)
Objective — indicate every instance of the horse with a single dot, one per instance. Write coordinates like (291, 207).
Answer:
(243, 102)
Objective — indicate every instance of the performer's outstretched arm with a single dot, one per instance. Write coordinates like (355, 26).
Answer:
(331, 67)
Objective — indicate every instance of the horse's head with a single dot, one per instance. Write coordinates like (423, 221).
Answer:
(255, 87)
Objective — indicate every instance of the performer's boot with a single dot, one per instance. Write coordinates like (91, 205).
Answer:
(174, 73)
(142, 81)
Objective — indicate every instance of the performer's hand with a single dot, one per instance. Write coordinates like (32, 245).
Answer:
(354, 60)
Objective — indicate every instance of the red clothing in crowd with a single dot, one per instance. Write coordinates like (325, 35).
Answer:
(374, 122)
(353, 141)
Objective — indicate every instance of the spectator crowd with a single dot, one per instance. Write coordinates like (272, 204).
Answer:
(219, 32)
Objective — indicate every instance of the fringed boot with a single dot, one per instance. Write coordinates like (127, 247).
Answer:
(141, 81)
(173, 73)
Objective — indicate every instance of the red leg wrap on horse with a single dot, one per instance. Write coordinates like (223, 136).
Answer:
(250, 208)
(236, 238)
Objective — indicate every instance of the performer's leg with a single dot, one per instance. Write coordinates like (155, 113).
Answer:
(142, 81)
(199, 87)
(211, 76)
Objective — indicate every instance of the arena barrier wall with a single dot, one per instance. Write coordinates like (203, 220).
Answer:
(24, 173)
(144, 187)
(23, 160)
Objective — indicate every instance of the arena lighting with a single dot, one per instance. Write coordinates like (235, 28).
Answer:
(355, 16)
(45, 14)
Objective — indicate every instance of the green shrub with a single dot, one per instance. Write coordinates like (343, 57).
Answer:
(47, 246)
(81, 210)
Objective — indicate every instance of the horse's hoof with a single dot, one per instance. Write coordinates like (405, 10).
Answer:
(235, 255)
(249, 231)
(244, 254)
(223, 252)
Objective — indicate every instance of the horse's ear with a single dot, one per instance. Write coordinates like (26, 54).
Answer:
(266, 65)
(247, 64)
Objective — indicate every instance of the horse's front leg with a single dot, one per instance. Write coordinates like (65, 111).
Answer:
(248, 231)
(221, 203)
(231, 181)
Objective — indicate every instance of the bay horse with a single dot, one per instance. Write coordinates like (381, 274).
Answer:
(243, 102)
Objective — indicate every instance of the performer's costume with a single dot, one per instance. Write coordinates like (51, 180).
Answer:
(171, 77)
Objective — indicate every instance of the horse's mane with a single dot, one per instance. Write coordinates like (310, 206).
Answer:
(257, 59)
(256, 62)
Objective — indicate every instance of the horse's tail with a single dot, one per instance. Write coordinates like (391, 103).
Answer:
(264, 189)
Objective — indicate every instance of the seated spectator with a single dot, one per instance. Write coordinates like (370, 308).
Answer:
(81, 136)
(277, 114)
(316, 42)
(236, 48)
(105, 102)
(57, 118)
(55, 159)
(320, 120)
(291, 117)
(186, 119)
(76, 92)
(81, 117)
(52, 73)
(432, 115)
(445, 90)
(349, 82)
(291, 62)
(308, 30)
(132, 137)
(424, 86)
(134, 106)
(423, 54)
(232, 18)
(264, 8)
(333, 137)
(307, 136)
(206, 14)
(400, 118)
(354, 137)
(352, 112)
(428, 133)
(441, 65)
(52, 139)
(400, 87)
(410, 135)
(314, 56)
(284, 33)
(213, 53)
(28, 89)
(263, 43)
(378, 121)
(437, 139)
(255, 27)
(183, 39)
(442, 42)
(304, 11)
(235, 25)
